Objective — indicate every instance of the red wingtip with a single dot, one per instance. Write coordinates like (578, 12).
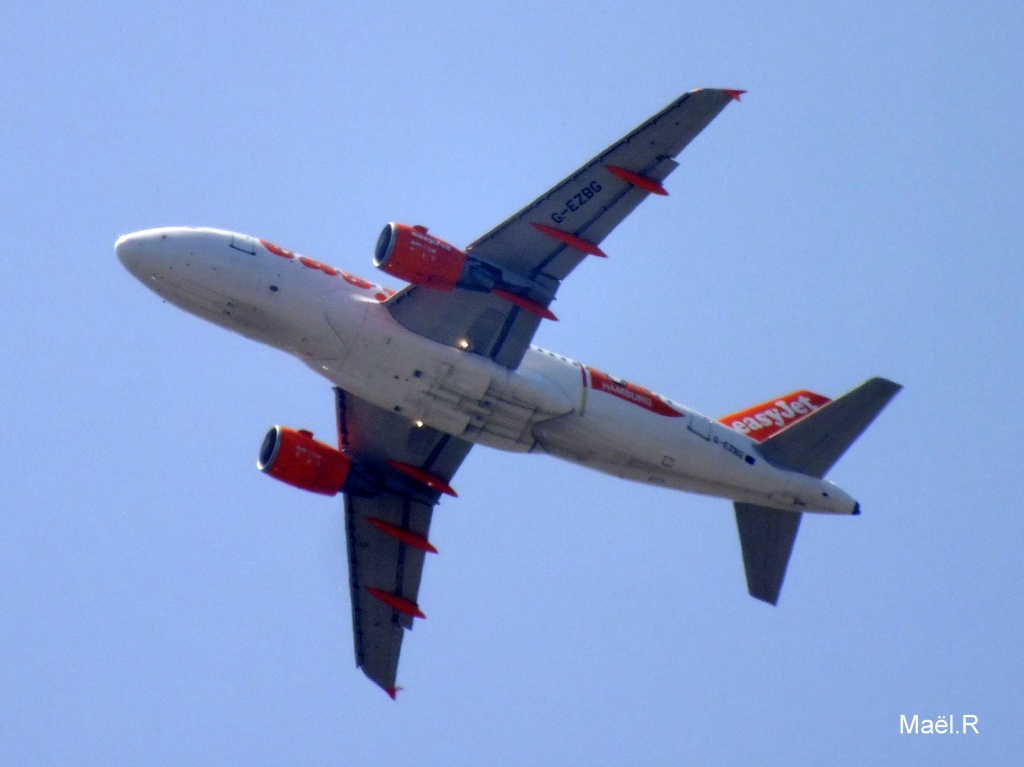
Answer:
(392, 692)
(733, 94)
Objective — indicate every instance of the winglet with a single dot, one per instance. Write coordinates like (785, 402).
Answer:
(733, 94)
(393, 692)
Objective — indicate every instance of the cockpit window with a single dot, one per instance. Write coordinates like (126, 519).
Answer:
(244, 243)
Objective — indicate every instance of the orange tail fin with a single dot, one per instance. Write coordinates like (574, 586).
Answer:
(769, 418)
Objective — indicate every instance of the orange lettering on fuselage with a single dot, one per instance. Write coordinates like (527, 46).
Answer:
(632, 393)
(381, 294)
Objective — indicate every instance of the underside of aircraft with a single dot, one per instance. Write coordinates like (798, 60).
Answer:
(423, 374)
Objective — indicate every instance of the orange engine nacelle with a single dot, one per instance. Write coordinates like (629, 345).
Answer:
(413, 255)
(297, 459)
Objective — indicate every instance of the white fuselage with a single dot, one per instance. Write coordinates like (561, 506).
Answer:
(339, 325)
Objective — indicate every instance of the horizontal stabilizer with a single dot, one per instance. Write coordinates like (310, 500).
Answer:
(812, 445)
(767, 537)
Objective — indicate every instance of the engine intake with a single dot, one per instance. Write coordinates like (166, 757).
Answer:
(295, 458)
(413, 255)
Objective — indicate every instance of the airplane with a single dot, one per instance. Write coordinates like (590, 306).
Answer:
(422, 374)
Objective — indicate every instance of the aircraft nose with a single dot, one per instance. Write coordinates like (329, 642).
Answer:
(144, 253)
(129, 250)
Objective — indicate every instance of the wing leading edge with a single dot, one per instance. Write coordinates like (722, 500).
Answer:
(540, 245)
(595, 199)
(387, 530)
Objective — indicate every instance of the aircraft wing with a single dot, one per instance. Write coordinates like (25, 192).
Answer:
(387, 529)
(534, 250)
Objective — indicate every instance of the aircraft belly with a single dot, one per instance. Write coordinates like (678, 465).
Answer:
(457, 392)
(226, 311)
(624, 441)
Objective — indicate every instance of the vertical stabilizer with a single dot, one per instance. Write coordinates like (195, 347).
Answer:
(811, 446)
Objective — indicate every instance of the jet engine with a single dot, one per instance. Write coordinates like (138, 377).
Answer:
(295, 458)
(413, 255)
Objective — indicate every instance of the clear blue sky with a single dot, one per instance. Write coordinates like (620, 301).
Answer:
(858, 214)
